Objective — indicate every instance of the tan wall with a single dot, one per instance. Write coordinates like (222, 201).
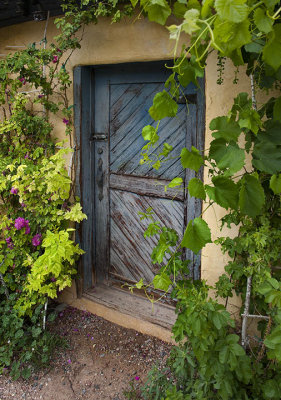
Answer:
(142, 40)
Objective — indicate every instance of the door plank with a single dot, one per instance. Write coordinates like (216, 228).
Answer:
(101, 180)
(141, 185)
(127, 241)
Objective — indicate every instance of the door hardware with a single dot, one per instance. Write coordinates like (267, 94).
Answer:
(99, 136)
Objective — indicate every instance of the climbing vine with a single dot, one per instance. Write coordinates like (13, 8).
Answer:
(216, 357)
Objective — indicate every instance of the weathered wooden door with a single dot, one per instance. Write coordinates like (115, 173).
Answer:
(121, 187)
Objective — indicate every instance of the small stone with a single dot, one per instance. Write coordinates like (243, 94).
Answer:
(102, 355)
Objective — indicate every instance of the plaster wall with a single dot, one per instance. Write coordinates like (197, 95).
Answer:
(128, 41)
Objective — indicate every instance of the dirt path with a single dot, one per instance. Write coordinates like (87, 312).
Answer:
(101, 361)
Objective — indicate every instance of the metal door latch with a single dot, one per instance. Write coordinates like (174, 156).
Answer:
(99, 136)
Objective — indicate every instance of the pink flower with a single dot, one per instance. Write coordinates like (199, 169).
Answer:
(10, 243)
(69, 361)
(22, 223)
(36, 241)
(23, 205)
(65, 121)
(53, 279)
(26, 156)
(19, 223)
(14, 190)
(137, 378)
(22, 80)
(59, 51)
(55, 59)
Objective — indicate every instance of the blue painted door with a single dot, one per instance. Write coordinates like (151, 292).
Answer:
(123, 187)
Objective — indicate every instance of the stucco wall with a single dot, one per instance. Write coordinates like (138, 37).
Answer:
(142, 40)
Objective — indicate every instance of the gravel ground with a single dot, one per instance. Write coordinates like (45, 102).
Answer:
(100, 362)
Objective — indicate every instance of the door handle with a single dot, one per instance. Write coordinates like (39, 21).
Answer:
(100, 179)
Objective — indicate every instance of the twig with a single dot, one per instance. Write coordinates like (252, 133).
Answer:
(246, 312)
(254, 101)
(45, 314)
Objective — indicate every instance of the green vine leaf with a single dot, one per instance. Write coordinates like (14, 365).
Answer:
(272, 49)
(267, 157)
(196, 235)
(196, 188)
(163, 106)
(191, 159)
(162, 282)
(224, 192)
(262, 21)
(174, 183)
(230, 37)
(275, 183)
(251, 196)
(225, 129)
(232, 10)
(134, 2)
(206, 8)
(157, 10)
(149, 133)
(227, 156)
(189, 25)
(189, 71)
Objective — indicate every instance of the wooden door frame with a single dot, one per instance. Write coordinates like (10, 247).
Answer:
(83, 87)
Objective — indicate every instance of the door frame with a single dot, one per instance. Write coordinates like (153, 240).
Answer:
(83, 91)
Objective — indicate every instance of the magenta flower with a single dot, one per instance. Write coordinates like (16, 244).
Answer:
(53, 279)
(22, 223)
(65, 121)
(36, 241)
(9, 242)
(40, 96)
(59, 51)
(26, 156)
(69, 361)
(137, 378)
(19, 223)
(14, 190)
(22, 80)
(55, 59)
(23, 205)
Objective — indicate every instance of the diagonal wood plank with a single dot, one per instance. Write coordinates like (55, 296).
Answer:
(129, 250)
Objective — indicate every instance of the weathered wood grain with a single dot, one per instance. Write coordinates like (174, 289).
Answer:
(141, 185)
(129, 251)
(160, 314)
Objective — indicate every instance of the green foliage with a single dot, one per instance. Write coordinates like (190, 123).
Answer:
(196, 235)
(37, 248)
(243, 165)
